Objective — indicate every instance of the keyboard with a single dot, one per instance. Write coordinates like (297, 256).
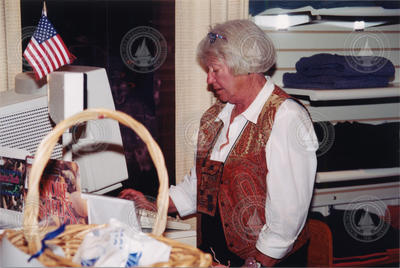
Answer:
(147, 218)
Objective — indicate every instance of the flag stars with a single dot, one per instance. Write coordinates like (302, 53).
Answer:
(45, 30)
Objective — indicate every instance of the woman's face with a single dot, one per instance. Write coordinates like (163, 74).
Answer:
(226, 86)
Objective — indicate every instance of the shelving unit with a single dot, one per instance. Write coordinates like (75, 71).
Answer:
(310, 33)
(370, 106)
(313, 35)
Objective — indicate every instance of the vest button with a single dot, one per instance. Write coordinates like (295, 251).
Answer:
(226, 225)
(222, 204)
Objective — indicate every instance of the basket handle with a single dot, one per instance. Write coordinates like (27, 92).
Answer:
(42, 156)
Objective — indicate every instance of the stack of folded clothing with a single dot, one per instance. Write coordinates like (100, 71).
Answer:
(327, 71)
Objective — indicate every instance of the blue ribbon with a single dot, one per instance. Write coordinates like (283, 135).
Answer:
(48, 236)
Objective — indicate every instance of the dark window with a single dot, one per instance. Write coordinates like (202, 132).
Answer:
(94, 31)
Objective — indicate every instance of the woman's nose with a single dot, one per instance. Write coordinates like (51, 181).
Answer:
(210, 77)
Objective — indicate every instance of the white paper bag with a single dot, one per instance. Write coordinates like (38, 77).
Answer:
(102, 208)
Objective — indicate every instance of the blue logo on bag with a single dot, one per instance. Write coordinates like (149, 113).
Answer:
(89, 262)
(133, 259)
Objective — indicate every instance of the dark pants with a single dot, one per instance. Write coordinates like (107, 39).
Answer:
(213, 239)
(296, 259)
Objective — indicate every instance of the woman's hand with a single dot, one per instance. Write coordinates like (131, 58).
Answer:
(139, 199)
(142, 202)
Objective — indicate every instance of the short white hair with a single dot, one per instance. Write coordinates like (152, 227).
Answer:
(241, 44)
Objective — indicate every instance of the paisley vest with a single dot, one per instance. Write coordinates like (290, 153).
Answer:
(239, 184)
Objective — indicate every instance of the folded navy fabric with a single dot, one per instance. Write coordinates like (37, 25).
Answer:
(344, 66)
(296, 80)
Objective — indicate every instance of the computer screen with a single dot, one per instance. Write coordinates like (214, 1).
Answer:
(31, 110)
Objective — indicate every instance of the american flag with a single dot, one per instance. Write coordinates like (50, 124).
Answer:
(46, 50)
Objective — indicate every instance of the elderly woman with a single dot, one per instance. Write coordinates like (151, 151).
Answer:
(255, 165)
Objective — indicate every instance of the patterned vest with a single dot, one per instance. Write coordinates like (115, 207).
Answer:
(239, 184)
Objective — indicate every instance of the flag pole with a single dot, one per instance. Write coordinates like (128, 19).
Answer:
(44, 8)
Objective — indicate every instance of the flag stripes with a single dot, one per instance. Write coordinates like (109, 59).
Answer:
(46, 51)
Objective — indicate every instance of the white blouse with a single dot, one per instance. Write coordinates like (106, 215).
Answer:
(291, 161)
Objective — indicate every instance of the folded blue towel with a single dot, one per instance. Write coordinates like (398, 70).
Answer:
(344, 66)
(295, 80)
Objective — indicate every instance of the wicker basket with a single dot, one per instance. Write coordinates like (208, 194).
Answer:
(29, 238)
